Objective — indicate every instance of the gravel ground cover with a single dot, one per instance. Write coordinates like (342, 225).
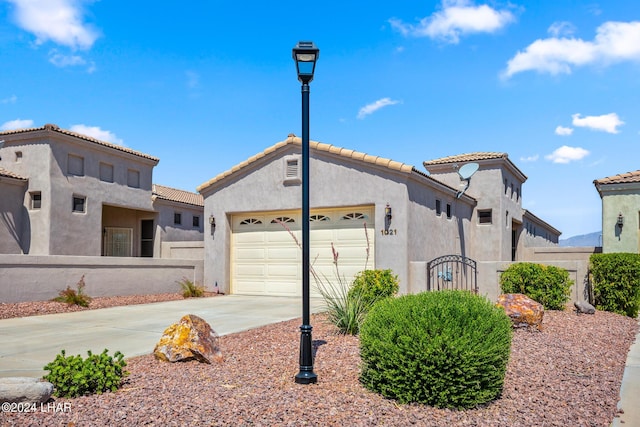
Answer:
(568, 374)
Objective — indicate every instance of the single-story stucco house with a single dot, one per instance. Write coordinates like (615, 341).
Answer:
(372, 212)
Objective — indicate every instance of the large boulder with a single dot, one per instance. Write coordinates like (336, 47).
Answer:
(190, 339)
(523, 311)
(24, 389)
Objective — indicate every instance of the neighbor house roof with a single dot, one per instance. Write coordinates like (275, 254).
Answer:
(318, 146)
(175, 195)
(542, 222)
(9, 174)
(474, 157)
(56, 128)
(622, 178)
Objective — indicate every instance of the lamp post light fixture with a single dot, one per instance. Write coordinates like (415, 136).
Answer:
(620, 221)
(305, 54)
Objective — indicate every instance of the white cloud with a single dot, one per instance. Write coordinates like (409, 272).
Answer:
(614, 42)
(566, 154)
(10, 100)
(457, 17)
(563, 131)
(529, 158)
(61, 60)
(375, 106)
(16, 124)
(97, 133)
(60, 21)
(561, 28)
(607, 122)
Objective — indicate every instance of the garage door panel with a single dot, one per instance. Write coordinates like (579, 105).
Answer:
(250, 254)
(266, 259)
(281, 237)
(250, 237)
(283, 254)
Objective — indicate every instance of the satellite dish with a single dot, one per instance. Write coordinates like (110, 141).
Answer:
(466, 172)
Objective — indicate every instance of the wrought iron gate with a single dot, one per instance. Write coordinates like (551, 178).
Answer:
(452, 272)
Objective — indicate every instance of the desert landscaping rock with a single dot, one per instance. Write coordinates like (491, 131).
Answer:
(24, 389)
(190, 339)
(523, 311)
(584, 307)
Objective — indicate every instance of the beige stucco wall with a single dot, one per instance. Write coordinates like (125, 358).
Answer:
(40, 278)
(336, 181)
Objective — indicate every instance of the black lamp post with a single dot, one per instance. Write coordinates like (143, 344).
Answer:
(305, 54)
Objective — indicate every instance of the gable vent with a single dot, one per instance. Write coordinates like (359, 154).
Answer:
(292, 168)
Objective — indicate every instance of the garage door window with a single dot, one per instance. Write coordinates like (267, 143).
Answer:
(317, 218)
(250, 221)
(354, 215)
(282, 219)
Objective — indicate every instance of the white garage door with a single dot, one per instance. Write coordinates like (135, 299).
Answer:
(266, 260)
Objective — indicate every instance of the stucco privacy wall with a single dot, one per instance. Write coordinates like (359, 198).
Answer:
(43, 277)
(335, 181)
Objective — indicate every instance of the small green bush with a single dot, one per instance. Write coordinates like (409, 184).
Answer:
(445, 349)
(546, 284)
(373, 285)
(73, 376)
(191, 289)
(616, 282)
(73, 296)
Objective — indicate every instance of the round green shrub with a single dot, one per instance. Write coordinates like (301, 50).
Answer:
(445, 348)
(546, 284)
(374, 285)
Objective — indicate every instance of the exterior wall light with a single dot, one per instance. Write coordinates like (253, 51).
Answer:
(620, 221)
(212, 222)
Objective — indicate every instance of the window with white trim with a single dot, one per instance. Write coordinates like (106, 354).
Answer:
(318, 218)
(354, 215)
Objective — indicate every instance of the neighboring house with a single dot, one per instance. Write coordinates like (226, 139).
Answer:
(374, 212)
(503, 227)
(64, 193)
(620, 196)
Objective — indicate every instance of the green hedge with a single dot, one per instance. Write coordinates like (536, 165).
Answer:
(546, 284)
(374, 285)
(444, 348)
(616, 282)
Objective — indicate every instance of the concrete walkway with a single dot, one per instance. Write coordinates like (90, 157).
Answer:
(630, 390)
(27, 344)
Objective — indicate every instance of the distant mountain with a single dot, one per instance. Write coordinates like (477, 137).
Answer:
(591, 239)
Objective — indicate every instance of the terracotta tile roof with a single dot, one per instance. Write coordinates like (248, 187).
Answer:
(622, 178)
(475, 157)
(174, 195)
(318, 146)
(467, 157)
(9, 174)
(56, 128)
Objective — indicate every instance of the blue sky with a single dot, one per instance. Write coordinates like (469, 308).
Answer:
(205, 86)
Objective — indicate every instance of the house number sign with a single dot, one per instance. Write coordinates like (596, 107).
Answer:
(389, 232)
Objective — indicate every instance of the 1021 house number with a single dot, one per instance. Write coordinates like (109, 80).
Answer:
(389, 232)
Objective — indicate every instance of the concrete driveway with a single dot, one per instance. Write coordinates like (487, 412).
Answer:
(29, 343)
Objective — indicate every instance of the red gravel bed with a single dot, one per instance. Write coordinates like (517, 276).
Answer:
(568, 374)
(37, 308)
